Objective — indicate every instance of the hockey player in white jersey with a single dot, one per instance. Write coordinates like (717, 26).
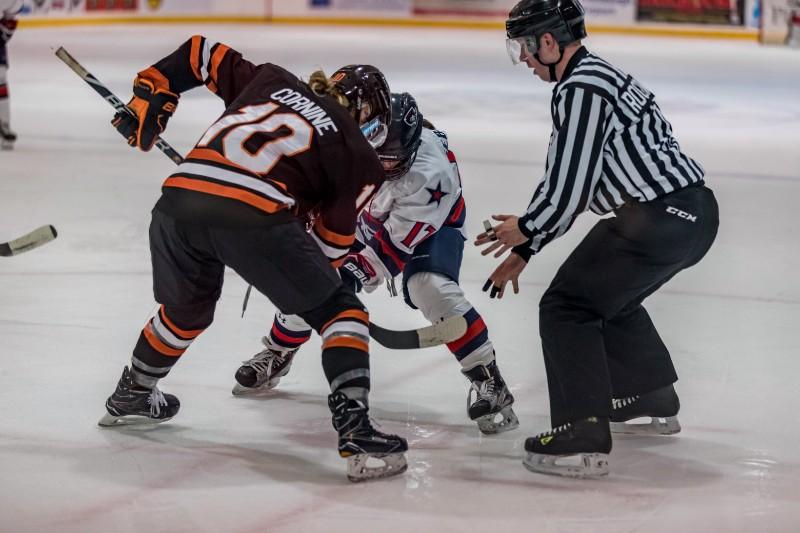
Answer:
(9, 9)
(415, 226)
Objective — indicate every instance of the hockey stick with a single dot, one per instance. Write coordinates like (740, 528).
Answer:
(440, 333)
(447, 330)
(112, 99)
(29, 241)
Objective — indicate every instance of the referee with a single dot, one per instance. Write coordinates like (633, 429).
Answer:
(611, 151)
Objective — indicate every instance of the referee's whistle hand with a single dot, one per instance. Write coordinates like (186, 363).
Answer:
(501, 237)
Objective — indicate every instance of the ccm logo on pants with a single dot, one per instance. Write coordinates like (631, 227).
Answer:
(683, 214)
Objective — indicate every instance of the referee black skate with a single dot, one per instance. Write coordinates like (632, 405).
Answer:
(611, 151)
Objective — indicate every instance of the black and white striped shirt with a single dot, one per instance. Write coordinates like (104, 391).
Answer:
(610, 145)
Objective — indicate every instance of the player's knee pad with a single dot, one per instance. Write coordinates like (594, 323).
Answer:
(340, 301)
(437, 296)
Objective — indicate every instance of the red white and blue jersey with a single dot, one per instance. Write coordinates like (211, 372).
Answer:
(407, 211)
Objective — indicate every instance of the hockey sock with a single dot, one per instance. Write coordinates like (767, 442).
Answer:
(288, 332)
(474, 348)
(345, 354)
(161, 343)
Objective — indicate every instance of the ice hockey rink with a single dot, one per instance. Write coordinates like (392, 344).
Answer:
(70, 312)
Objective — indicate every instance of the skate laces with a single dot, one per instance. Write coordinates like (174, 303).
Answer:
(487, 389)
(553, 432)
(619, 403)
(265, 360)
(156, 400)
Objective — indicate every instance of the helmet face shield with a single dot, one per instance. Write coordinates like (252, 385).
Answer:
(520, 48)
(375, 132)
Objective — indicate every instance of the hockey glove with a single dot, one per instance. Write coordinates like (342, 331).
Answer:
(357, 273)
(152, 107)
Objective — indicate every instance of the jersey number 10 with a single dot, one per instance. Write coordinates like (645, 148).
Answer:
(259, 119)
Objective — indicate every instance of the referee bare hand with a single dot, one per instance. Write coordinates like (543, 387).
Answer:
(509, 270)
(502, 237)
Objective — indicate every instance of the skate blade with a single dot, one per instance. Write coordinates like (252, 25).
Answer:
(499, 422)
(358, 470)
(109, 421)
(657, 426)
(580, 465)
(241, 390)
(6, 146)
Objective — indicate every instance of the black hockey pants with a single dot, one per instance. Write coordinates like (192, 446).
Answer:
(597, 338)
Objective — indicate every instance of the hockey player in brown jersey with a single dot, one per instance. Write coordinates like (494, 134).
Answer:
(283, 152)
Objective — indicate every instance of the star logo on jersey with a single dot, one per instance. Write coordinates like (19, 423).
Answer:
(436, 194)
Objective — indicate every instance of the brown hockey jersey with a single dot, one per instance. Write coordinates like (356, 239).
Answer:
(277, 149)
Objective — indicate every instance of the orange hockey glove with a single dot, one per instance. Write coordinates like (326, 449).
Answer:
(152, 108)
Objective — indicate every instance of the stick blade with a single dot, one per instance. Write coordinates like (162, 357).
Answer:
(29, 241)
(448, 330)
(442, 332)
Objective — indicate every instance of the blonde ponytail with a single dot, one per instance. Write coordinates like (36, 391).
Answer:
(321, 85)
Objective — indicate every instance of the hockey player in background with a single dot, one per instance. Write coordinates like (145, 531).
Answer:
(413, 225)
(611, 151)
(281, 149)
(8, 24)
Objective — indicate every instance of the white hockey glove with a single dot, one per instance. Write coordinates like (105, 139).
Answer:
(363, 270)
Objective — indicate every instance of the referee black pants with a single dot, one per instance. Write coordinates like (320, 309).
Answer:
(598, 340)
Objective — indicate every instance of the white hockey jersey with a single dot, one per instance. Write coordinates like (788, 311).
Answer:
(405, 212)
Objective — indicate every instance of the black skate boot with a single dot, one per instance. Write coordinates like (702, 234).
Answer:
(577, 449)
(661, 406)
(491, 407)
(7, 137)
(359, 441)
(132, 404)
(263, 371)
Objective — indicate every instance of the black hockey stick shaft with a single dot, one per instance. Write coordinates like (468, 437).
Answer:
(111, 98)
(29, 241)
(442, 332)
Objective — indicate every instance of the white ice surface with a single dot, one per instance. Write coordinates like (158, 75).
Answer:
(70, 312)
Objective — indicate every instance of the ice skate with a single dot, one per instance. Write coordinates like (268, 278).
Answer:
(578, 449)
(263, 371)
(7, 137)
(132, 404)
(359, 442)
(489, 400)
(660, 406)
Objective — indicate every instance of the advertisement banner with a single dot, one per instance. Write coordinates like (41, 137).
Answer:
(203, 7)
(477, 8)
(617, 12)
(374, 7)
(111, 5)
(597, 11)
(56, 8)
(728, 12)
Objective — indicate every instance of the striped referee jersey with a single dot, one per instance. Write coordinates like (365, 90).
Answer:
(610, 145)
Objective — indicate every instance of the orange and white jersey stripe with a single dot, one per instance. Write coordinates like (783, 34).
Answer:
(205, 57)
(335, 246)
(206, 177)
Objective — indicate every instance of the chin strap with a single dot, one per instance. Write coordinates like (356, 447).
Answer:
(552, 66)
